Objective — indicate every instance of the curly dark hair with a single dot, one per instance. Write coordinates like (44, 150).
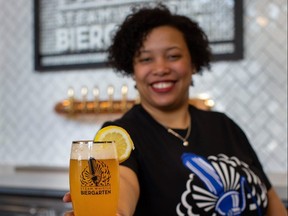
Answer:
(132, 32)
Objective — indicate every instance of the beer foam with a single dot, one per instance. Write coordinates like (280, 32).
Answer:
(83, 150)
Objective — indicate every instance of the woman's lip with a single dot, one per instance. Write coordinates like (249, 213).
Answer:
(162, 86)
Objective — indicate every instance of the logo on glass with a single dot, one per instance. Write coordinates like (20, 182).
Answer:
(95, 178)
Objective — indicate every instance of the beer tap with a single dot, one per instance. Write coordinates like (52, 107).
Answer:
(124, 91)
(70, 94)
(110, 91)
(84, 93)
(96, 94)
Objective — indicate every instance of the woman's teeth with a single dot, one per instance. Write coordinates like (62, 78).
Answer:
(162, 85)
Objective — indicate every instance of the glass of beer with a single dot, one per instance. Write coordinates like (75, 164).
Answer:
(94, 178)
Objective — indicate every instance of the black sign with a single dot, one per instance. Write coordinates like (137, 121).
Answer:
(74, 34)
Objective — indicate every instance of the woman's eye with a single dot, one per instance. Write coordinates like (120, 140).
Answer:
(174, 57)
(145, 59)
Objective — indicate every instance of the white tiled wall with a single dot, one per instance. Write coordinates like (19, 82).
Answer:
(252, 91)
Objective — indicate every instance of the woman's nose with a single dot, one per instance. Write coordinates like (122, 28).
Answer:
(161, 67)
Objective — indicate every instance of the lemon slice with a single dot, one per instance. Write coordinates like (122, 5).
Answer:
(119, 135)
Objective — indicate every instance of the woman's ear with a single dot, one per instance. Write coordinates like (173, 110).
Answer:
(192, 74)
(191, 83)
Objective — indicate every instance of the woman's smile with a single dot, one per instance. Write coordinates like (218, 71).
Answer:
(162, 86)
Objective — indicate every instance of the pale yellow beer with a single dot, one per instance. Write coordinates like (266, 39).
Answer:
(94, 178)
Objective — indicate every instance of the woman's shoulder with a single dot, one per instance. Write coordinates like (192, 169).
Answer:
(207, 114)
(214, 120)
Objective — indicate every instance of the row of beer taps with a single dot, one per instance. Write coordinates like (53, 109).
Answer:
(75, 105)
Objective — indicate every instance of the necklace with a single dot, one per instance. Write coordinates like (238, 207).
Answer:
(184, 139)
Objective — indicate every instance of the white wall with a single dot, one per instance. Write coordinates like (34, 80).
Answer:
(252, 91)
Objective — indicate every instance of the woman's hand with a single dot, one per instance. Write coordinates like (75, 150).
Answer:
(66, 199)
(69, 213)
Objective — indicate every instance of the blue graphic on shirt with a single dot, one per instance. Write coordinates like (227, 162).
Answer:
(224, 194)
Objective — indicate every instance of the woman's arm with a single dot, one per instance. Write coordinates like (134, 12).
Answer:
(129, 191)
(275, 206)
(128, 196)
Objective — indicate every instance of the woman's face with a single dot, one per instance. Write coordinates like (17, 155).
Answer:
(163, 69)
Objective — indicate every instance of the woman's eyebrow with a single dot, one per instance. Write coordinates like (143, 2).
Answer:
(166, 49)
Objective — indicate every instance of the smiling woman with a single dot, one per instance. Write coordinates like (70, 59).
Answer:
(216, 171)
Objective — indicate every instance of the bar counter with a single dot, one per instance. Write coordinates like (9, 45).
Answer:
(54, 181)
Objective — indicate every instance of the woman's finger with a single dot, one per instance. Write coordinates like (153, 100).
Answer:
(67, 197)
(69, 213)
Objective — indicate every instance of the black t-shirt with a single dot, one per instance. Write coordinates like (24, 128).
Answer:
(220, 173)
